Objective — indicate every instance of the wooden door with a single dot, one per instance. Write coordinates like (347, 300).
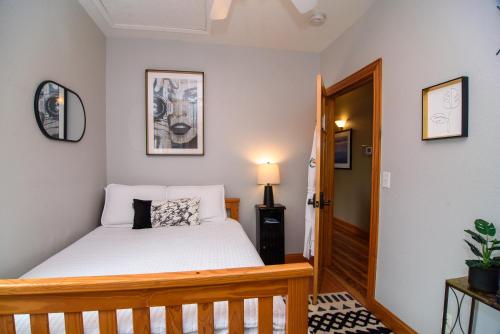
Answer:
(320, 200)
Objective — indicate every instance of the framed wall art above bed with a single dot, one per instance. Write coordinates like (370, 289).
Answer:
(174, 112)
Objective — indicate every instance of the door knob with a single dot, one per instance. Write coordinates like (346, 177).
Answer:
(312, 201)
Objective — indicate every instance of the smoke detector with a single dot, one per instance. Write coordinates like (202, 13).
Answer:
(317, 18)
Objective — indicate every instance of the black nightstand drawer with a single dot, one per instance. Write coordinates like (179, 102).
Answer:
(271, 233)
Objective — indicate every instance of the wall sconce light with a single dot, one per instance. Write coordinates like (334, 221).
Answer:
(340, 123)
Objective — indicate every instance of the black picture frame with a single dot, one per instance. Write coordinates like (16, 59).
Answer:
(445, 120)
(339, 154)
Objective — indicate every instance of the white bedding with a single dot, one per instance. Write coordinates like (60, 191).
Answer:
(121, 250)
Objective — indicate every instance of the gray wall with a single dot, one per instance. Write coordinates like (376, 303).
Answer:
(352, 187)
(259, 106)
(51, 192)
(438, 187)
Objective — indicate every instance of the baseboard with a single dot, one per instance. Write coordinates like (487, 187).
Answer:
(295, 258)
(390, 319)
(351, 228)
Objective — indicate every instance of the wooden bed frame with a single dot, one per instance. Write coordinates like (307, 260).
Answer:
(139, 292)
(233, 208)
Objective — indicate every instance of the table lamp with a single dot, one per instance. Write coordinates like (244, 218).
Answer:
(268, 174)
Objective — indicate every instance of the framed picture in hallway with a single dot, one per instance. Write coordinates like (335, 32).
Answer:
(174, 112)
(343, 149)
(445, 110)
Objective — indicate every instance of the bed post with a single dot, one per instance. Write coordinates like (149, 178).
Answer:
(233, 208)
(296, 306)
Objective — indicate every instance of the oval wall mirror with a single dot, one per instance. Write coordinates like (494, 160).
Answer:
(59, 112)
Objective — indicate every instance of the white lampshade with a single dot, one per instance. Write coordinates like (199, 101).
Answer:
(268, 174)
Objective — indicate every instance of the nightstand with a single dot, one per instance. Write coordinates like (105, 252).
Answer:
(271, 233)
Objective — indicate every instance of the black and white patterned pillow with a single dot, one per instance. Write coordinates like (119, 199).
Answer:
(179, 212)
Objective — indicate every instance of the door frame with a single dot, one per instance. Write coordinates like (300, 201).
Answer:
(373, 71)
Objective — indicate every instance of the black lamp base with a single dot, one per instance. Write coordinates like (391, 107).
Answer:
(268, 196)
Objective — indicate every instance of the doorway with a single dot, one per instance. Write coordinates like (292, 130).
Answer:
(332, 251)
(352, 163)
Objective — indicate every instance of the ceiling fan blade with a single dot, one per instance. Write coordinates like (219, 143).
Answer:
(303, 6)
(220, 9)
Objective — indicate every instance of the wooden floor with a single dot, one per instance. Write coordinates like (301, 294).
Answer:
(350, 255)
(330, 282)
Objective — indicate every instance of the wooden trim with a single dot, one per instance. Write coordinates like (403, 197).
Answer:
(233, 208)
(376, 69)
(356, 79)
(295, 258)
(389, 318)
(351, 228)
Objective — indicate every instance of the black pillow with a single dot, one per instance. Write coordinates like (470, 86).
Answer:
(142, 214)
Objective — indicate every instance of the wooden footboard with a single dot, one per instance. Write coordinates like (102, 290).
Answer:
(106, 294)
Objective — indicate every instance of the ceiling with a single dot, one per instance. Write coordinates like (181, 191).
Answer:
(257, 23)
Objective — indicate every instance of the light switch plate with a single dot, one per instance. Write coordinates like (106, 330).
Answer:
(386, 180)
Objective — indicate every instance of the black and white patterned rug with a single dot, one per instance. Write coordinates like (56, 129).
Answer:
(340, 313)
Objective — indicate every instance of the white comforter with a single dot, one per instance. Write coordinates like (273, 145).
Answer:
(121, 250)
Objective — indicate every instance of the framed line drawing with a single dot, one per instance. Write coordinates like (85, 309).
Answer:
(343, 149)
(174, 112)
(445, 110)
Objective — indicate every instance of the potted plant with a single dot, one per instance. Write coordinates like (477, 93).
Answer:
(483, 272)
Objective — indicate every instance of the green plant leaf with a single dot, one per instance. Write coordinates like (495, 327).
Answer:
(477, 237)
(474, 249)
(474, 263)
(495, 262)
(495, 248)
(495, 242)
(483, 227)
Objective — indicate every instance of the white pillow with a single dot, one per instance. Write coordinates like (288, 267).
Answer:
(212, 203)
(118, 208)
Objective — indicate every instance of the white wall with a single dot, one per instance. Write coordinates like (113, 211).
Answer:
(259, 105)
(438, 187)
(50, 192)
(352, 187)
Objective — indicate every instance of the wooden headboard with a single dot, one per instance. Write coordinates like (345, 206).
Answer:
(233, 208)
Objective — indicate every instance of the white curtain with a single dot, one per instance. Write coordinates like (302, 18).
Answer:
(310, 211)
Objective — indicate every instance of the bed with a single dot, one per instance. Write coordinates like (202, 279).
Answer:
(119, 280)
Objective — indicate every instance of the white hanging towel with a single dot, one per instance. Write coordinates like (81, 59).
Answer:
(310, 211)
